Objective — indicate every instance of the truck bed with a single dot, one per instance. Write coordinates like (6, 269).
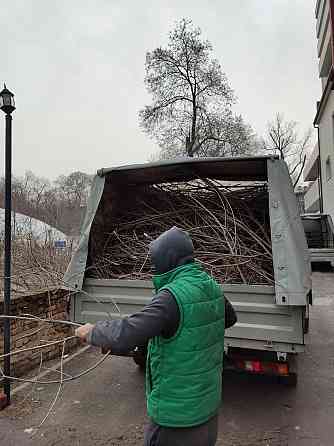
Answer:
(262, 324)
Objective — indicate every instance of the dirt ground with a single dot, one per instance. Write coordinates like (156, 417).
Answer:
(107, 407)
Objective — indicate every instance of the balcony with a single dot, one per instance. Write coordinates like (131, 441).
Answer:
(325, 61)
(312, 198)
(324, 31)
(319, 13)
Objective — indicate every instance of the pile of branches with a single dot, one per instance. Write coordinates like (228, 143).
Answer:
(229, 226)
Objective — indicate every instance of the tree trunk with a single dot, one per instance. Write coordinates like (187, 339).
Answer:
(193, 128)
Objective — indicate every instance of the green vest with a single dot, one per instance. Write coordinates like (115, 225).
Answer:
(184, 373)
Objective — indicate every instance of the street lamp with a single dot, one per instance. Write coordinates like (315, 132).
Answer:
(7, 105)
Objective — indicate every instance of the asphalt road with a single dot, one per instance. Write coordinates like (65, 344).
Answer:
(107, 407)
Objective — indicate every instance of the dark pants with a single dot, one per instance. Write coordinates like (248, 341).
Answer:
(202, 435)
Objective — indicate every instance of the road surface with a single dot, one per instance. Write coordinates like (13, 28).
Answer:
(107, 407)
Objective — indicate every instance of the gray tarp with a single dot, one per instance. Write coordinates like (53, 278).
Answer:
(74, 275)
(292, 268)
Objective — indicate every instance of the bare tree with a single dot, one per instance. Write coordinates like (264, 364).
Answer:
(191, 99)
(74, 188)
(60, 204)
(28, 194)
(282, 139)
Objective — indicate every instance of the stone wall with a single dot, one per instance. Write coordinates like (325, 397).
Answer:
(46, 305)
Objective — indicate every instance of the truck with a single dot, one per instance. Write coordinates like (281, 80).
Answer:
(273, 318)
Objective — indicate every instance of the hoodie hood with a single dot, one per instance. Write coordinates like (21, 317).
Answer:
(171, 249)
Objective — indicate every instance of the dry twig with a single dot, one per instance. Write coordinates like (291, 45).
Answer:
(229, 226)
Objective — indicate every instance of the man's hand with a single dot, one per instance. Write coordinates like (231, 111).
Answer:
(83, 332)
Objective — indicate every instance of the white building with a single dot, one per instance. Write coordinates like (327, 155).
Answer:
(320, 167)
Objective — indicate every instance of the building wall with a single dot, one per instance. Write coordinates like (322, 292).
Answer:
(326, 133)
(323, 33)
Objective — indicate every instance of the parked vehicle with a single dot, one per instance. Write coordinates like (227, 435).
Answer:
(272, 319)
(319, 231)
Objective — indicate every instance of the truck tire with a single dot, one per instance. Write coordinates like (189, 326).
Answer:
(306, 317)
(139, 357)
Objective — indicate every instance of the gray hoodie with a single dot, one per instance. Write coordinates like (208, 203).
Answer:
(171, 249)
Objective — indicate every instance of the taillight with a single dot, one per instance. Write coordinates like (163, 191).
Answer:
(257, 367)
(268, 368)
(249, 366)
(283, 369)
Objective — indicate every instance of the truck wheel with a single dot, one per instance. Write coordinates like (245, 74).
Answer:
(289, 380)
(140, 359)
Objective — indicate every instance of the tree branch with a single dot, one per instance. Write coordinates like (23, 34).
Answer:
(300, 172)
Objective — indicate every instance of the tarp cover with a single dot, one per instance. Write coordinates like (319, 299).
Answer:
(74, 275)
(291, 258)
(292, 270)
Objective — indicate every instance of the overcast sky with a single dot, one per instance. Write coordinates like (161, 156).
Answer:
(77, 70)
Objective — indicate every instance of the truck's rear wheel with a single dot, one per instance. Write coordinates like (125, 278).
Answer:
(139, 357)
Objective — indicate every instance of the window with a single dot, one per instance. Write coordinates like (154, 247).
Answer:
(328, 169)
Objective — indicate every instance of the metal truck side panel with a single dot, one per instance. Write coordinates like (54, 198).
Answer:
(260, 320)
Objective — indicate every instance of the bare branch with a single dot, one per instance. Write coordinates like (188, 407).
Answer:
(282, 138)
(300, 172)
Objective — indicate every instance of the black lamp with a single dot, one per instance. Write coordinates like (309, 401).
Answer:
(7, 102)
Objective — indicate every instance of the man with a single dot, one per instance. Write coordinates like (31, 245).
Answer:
(184, 326)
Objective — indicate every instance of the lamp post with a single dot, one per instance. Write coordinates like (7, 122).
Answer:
(7, 105)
